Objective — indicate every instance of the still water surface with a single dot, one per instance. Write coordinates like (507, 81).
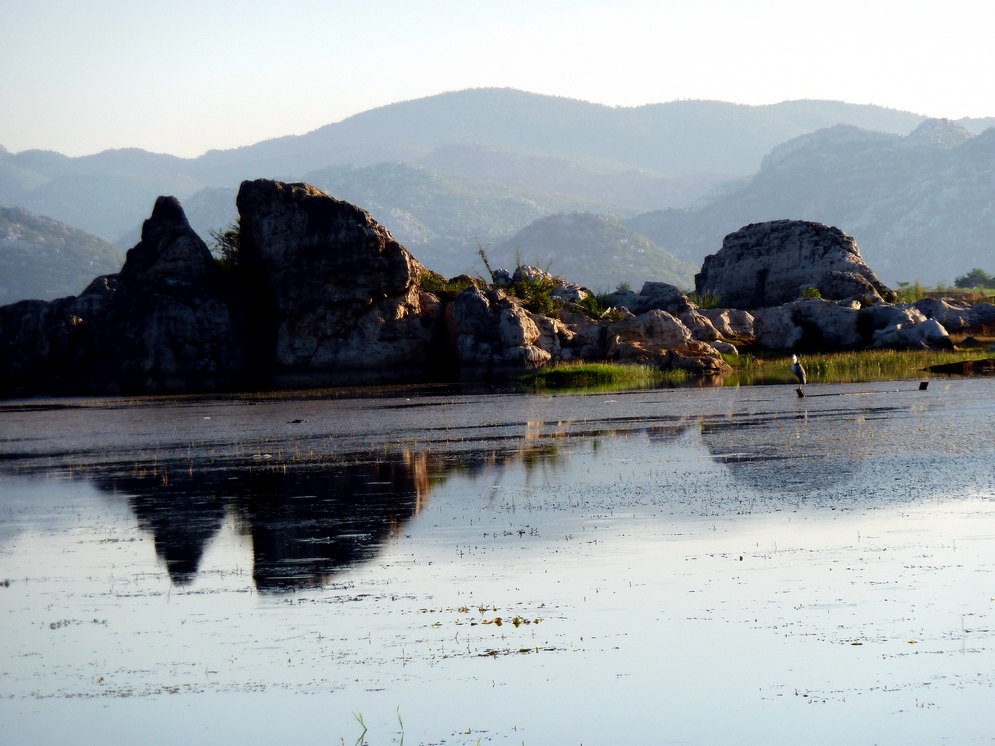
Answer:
(672, 566)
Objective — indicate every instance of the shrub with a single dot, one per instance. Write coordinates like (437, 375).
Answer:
(433, 282)
(226, 246)
(911, 292)
(537, 294)
(811, 293)
(706, 300)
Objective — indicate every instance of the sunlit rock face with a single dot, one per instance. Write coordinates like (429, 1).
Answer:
(767, 264)
(339, 294)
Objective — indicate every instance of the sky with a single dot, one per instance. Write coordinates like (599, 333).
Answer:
(182, 77)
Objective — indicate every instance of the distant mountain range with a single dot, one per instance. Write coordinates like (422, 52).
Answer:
(44, 259)
(447, 171)
(920, 206)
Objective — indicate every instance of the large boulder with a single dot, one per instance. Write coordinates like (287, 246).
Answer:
(339, 298)
(493, 333)
(810, 324)
(767, 264)
(658, 338)
(731, 323)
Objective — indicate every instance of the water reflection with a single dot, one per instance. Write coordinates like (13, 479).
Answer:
(307, 521)
(305, 524)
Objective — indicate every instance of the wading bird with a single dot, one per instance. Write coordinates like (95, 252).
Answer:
(799, 372)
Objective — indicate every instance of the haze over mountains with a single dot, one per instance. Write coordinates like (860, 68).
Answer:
(449, 171)
(43, 258)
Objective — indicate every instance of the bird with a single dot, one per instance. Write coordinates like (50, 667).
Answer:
(798, 370)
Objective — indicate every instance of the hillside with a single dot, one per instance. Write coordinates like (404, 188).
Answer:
(920, 206)
(44, 259)
(632, 156)
(675, 138)
(440, 217)
(593, 250)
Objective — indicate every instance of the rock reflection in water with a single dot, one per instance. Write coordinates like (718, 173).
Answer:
(306, 523)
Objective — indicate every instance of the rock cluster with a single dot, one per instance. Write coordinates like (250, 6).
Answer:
(321, 294)
(767, 264)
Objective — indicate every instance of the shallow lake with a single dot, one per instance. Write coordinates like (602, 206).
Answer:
(693, 566)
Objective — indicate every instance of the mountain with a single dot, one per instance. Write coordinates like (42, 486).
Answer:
(634, 156)
(586, 178)
(920, 206)
(673, 139)
(593, 250)
(442, 218)
(44, 259)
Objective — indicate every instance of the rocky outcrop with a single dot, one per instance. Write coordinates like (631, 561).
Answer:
(321, 294)
(958, 316)
(491, 332)
(815, 324)
(161, 324)
(767, 264)
(340, 299)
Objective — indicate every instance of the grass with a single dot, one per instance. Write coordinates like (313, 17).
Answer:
(600, 377)
(845, 367)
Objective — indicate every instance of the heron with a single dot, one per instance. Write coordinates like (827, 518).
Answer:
(798, 370)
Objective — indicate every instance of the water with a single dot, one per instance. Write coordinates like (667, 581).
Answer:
(673, 566)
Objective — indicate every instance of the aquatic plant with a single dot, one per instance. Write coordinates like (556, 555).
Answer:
(600, 377)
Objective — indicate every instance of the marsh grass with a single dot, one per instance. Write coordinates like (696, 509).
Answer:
(595, 377)
(845, 367)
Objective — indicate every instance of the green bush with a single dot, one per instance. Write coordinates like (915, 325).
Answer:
(537, 294)
(706, 300)
(226, 246)
(811, 293)
(910, 292)
(433, 282)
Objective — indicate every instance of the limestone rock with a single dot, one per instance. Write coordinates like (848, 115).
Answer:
(812, 323)
(928, 333)
(955, 315)
(494, 332)
(731, 323)
(767, 264)
(340, 297)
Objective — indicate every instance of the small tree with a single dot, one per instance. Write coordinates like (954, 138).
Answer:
(976, 278)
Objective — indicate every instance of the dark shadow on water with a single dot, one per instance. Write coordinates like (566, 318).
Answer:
(305, 524)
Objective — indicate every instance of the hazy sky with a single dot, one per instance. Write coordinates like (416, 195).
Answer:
(80, 76)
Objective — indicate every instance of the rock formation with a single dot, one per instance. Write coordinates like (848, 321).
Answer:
(767, 264)
(161, 324)
(321, 294)
(336, 292)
